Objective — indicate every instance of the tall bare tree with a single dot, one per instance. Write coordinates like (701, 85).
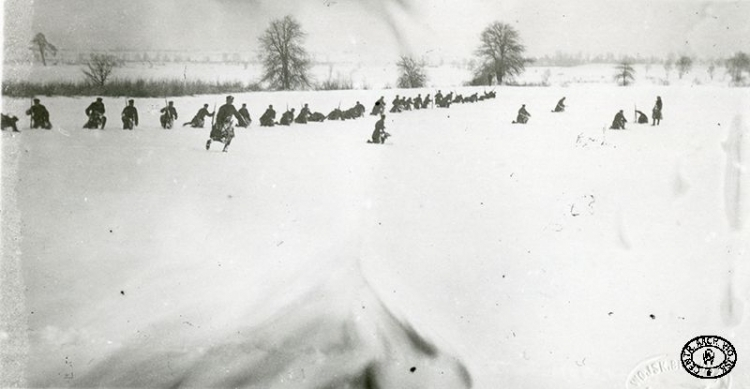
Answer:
(43, 46)
(412, 73)
(500, 52)
(684, 64)
(285, 61)
(737, 65)
(99, 68)
(625, 72)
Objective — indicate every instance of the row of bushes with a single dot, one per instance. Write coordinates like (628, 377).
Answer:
(129, 88)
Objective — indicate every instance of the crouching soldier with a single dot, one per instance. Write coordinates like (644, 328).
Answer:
(39, 116)
(200, 118)
(168, 116)
(95, 112)
(523, 115)
(618, 123)
(287, 118)
(379, 135)
(129, 116)
(642, 118)
(268, 118)
(245, 115)
(303, 116)
(560, 107)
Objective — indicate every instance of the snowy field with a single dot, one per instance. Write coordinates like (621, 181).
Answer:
(372, 75)
(466, 252)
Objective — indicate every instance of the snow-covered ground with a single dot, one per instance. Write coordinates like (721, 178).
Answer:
(373, 75)
(548, 255)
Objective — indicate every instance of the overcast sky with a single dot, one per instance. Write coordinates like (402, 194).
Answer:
(367, 29)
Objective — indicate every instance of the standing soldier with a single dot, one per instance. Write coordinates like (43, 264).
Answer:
(379, 135)
(523, 115)
(245, 115)
(129, 116)
(168, 116)
(39, 116)
(95, 112)
(268, 118)
(656, 112)
(223, 129)
(200, 118)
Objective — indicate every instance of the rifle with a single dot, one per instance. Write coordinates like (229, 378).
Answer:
(213, 117)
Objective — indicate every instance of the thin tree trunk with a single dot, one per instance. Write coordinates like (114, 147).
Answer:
(41, 52)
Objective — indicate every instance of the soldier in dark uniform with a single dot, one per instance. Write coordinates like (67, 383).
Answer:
(268, 118)
(95, 111)
(379, 107)
(656, 112)
(287, 118)
(200, 118)
(223, 129)
(427, 101)
(360, 109)
(39, 116)
(560, 107)
(245, 115)
(396, 105)
(418, 101)
(523, 115)
(642, 118)
(438, 98)
(168, 116)
(129, 116)
(304, 115)
(618, 123)
(379, 135)
(336, 114)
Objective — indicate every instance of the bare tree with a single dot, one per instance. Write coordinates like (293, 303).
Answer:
(500, 52)
(711, 69)
(668, 64)
(285, 61)
(737, 65)
(625, 72)
(412, 73)
(684, 64)
(40, 43)
(100, 67)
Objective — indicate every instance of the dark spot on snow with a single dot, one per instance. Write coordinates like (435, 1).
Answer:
(503, 275)
(611, 313)
(280, 243)
(122, 292)
(413, 369)
(110, 231)
(652, 316)
(229, 196)
(679, 317)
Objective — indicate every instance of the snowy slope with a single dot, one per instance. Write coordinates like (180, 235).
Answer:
(531, 256)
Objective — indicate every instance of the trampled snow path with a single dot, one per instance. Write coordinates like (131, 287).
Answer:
(535, 255)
